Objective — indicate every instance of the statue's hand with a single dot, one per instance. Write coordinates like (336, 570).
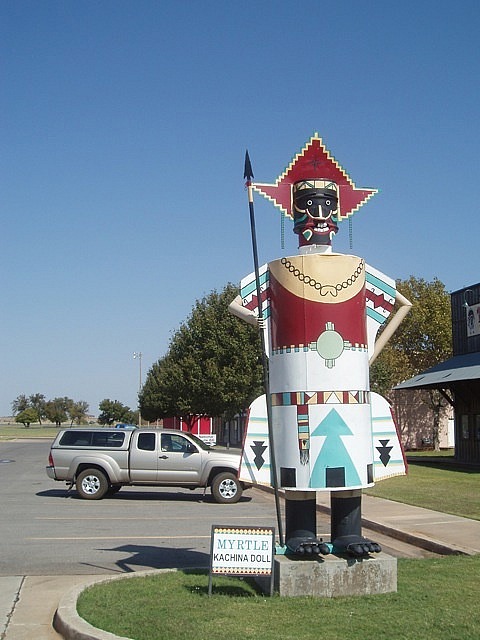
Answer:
(261, 323)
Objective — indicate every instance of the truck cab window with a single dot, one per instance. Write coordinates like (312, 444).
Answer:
(146, 441)
(174, 443)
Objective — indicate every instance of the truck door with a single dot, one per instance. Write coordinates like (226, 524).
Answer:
(179, 460)
(144, 457)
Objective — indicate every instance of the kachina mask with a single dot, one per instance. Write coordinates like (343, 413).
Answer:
(316, 192)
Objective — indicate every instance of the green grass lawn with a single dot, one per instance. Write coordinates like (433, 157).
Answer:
(436, 599)
(14, 431)
(436, 484)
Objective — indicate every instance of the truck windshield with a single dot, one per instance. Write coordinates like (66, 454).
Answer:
(199, 442)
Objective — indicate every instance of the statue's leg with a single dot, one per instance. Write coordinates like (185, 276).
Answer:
(346, 524)
(301, 524)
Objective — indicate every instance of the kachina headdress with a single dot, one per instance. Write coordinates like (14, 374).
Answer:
(312, 165)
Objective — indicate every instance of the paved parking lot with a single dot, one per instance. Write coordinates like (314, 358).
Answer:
(44, 532)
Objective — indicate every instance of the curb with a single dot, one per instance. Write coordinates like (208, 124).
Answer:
(70, 625)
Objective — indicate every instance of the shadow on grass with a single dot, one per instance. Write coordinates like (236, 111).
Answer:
(246, 587)
(444, 463)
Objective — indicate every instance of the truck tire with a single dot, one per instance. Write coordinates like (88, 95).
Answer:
(226, 488)
(92, 484)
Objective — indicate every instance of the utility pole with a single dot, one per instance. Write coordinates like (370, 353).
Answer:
(138, 355)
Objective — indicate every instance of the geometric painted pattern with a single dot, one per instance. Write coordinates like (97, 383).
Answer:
(293, 348)
(380, 295)
(296, 398)
(302, 400)
(303, 430)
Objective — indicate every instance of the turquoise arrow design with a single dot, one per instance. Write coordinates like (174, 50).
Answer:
(333, 452)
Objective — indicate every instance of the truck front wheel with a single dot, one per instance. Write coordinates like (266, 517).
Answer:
(91, 484)
(226, 488)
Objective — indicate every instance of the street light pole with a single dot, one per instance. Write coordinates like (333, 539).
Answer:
(138, 355)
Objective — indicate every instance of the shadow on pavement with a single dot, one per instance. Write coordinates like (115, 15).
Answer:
(142, 557)
(193, 496)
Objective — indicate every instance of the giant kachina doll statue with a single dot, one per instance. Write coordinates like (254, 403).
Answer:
(320, 315)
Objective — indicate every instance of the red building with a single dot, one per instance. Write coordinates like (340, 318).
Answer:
(203, 425)
(212, 430)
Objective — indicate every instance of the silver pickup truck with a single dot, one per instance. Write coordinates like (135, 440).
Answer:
(100, 461)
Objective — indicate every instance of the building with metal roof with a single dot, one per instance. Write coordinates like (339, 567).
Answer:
(458, 378)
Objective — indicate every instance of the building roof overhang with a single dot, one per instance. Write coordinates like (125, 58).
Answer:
(444, 375)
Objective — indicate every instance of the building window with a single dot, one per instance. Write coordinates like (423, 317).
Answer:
(465, 427)
(477, 427)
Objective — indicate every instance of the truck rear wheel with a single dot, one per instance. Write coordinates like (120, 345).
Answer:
(91, 484)
(226, 488)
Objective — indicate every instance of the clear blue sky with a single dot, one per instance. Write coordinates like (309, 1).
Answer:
(124, 125)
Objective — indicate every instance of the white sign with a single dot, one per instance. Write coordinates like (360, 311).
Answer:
(242, 550)
(473, 320)
(208, 438)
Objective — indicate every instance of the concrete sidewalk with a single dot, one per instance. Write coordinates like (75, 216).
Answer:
(431, 530)
(28, 604)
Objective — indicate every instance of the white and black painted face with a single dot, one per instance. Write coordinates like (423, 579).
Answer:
(314, 211)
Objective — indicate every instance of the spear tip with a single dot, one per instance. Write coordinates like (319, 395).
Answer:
(247, 173)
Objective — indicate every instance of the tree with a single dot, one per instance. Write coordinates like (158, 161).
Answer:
(37, 402)
(423, 340)
(77, 412)
(20, 404)
(157, 397)
(114, 411)
(26, 417)
(212, 367)
(56, 410)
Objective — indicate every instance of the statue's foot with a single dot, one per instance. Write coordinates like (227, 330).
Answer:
(355, 546)
(304, 544)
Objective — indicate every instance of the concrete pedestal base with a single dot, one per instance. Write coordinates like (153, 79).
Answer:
(332, 576)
